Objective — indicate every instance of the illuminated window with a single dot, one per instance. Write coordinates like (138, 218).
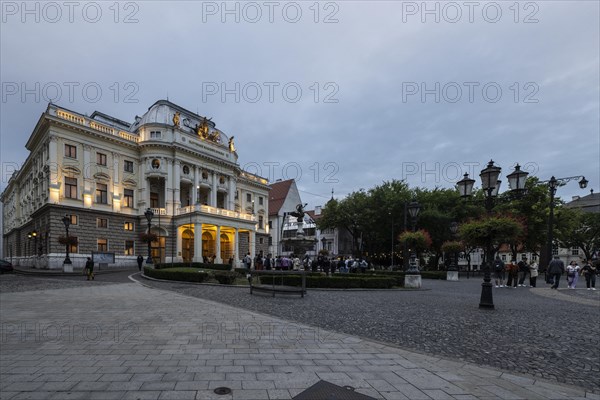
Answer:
(102, 244)
(128, 198)
(71, 188)
(128, 226)
(72, 218)
(129, 248)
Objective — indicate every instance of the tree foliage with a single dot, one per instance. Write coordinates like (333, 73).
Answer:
(578, 229)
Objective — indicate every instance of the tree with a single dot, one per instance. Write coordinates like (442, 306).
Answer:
(496, 229)
(578, 229)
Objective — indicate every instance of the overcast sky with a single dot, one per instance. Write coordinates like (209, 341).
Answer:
(387, 92)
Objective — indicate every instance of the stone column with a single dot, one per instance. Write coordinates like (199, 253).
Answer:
(144, 194)
(236, 250)
(54, 173)
(88, 173)
(196, 184)
(213, 192)
(218, 259)
(116, 187)
(168, 185)
(197, 242)
(252, 243)
(231, 194)
(176, 185)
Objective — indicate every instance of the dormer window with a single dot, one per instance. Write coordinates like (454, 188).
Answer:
(155, 134)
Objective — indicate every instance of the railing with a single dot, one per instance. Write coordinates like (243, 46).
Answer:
(159, 211)
(96, 126)
(216, 211)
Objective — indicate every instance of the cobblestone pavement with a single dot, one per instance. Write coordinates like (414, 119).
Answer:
(554, 336)
(126, 341)
(10, 283)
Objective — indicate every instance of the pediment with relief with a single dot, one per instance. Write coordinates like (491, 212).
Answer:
(101, 176)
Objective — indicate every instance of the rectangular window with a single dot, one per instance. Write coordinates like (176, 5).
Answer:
(248, 197)
(128, 198)
(270, 224)
(128, 166)
(73, 248)
(154, 200)
(101, 159)
(261, 240)
(128, 226)
(72, 218)
(71, 188)
(534, 257)
(101, 223)
(575, 251)
(260, 222)
(155, 134)
(129, 248)
(70, 151)
(101, 193)
(503, 257)
(260, 201)
(270, 240)
(102, 245)
(554, 250)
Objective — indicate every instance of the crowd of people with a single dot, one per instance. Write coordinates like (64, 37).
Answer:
(514, 274)
(321, 263)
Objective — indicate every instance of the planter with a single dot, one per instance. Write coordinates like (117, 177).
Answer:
(452, 276)
(67, 267)
(412, 281)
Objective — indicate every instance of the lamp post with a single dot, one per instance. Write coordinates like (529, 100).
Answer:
(149, 214)
(453, 262)
(553, 184)
(67, 221)
(413, 209)
(491, 185)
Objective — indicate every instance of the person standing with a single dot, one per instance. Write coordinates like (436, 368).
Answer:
(89, 267)
(523, 271)
(533, 273)
(589, 272)
(248, 261)
(555, 269)
(499, 272)
(140, 261)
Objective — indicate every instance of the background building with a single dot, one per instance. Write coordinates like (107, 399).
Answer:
(103, 173)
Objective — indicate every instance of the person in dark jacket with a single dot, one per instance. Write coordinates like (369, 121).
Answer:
(89, 266)
(140, 261)
(555, 269)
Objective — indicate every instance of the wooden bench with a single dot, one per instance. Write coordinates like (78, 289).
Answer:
(277, 288)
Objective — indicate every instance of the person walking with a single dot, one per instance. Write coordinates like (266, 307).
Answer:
(571, 274)
(248, 261)
(499, 272)
(512, 271)
(140, 261)
(589, 272)
(523, 271)
(89, 267)
(533, 273)
(555, 269)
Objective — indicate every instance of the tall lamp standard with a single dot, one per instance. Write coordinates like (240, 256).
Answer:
(67, 221)
(149, 214)
(491, 185)
(553, 184)
(392, 219)
(413, 209)
(454, 261)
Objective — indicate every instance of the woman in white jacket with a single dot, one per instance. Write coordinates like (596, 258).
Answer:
(533, 273)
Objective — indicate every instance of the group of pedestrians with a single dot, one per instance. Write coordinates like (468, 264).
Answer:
(515, 273)
(556, 269)
(321, 263)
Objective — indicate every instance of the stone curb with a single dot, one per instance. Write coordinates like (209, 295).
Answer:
(60, 273)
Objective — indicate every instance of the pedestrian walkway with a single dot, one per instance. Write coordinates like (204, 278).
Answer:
(127, 341)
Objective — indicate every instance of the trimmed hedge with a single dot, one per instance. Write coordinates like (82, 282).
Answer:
(177, 274)
(225, 278)
(334, 282)
(218, 267)
(424, 274)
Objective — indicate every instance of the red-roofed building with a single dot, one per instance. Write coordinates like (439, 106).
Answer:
(283, 198)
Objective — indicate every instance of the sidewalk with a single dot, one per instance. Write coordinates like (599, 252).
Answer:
(127, 341)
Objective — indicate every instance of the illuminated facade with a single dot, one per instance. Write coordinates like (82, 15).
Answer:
(104, 174)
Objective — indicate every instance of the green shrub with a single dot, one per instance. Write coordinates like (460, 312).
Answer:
(177, 274)
(225, 278)
(219, 267)
(333, 282)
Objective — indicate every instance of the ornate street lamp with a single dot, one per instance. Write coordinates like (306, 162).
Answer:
(413, 210)
(491, 186)
(392, 220)
(553, 184)
(67, 221)
(149, 214)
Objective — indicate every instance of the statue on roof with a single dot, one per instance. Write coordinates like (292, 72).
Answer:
(202, 129)
(231, 145)
(176, 119)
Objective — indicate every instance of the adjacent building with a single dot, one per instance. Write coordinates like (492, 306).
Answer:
(103, 173)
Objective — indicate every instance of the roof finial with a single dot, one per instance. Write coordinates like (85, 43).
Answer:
(331, 193)
(167, 95)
